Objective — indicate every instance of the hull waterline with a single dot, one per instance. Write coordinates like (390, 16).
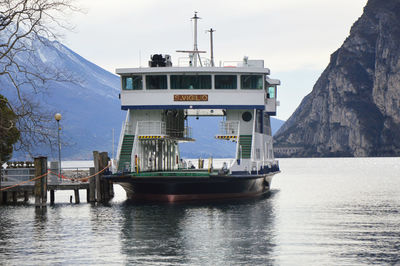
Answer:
(173, 189)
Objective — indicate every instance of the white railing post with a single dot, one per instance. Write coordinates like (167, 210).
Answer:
(238, 156)
(134, 146)
(253, 135)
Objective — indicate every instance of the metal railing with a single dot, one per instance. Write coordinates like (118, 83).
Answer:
(187, 133)
(129, 129)
(147, 128)
(122, 134)
(12, 176)
(231, 63)
(69, 175)
(121, 139)
(229, 128)
(185, 62)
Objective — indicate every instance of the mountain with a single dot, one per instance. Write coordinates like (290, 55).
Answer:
(276, 124)
(206, 145)
(90, 107)
(89, 104)
(353, 109)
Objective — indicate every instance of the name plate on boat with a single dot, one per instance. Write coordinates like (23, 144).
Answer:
(190, 98)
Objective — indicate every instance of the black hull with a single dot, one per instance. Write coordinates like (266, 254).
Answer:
(172, 189)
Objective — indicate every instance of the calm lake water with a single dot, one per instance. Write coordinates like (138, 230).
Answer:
(320, 212)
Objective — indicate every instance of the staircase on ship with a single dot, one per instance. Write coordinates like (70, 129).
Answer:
(126, 152)
(245, 146)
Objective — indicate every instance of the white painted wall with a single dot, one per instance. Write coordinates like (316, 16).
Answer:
(246, 128)
(215, 97)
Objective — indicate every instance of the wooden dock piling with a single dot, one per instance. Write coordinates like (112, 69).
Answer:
(96, 161)
(102, 186)
(41, 183)
(77, 199)
(52, 196)
(105, 184)
(92, 186)
(26, 196)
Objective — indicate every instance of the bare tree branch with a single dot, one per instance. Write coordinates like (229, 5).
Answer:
(22, 24)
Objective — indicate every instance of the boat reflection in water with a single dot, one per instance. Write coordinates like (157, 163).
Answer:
(200, 234)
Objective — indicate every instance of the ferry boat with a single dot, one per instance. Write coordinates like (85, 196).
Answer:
(159, 99)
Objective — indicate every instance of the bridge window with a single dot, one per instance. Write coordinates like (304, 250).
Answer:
(251, 82)
(156, 82)
(132, 83)
(184, 82)
(271, 92)
(225, 81)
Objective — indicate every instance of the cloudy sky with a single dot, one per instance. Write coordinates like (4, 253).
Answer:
(295, 38)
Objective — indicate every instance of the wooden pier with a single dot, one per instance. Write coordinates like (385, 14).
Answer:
(97, 188)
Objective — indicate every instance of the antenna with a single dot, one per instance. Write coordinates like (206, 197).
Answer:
(212, 47)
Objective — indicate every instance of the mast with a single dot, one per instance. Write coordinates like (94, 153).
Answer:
(195, 53)
(195, 48)
(212, 47)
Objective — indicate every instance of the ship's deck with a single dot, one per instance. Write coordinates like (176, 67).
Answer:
(185, 174)
(176, 173)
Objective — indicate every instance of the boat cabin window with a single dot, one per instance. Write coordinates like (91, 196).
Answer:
(156, 82)
(271, 92)
(225, 82)
(251, 82)
(132, 83)
(184, 82)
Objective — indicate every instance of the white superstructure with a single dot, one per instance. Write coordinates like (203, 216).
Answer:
(158, 100)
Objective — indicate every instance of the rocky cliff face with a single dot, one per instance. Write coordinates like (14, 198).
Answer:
(354, 108)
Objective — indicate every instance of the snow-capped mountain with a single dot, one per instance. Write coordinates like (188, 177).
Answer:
(90, 106)
(86, 96)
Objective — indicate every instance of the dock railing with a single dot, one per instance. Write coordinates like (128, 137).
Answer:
(69, 175)
(12, 176)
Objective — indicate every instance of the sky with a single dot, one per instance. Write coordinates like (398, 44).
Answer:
(294, 38)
